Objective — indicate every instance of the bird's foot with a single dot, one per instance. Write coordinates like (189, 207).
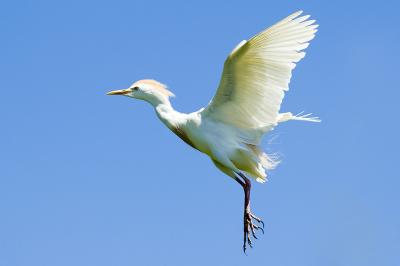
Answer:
(250, 229)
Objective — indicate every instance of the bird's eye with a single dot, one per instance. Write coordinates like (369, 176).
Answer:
(135, 88)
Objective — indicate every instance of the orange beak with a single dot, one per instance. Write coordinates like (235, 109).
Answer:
(119, 92)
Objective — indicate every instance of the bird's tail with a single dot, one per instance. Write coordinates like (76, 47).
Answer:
(289, 116)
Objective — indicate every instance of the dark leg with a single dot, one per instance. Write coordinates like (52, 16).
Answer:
(248, 226)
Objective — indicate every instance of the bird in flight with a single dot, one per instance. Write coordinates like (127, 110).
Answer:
(245, 107)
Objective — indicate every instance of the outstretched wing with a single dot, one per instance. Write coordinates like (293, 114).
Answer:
(257, 73)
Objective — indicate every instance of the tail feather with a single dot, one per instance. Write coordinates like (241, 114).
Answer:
(289, 116)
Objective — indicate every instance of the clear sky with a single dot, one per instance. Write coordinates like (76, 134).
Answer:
(88, 179)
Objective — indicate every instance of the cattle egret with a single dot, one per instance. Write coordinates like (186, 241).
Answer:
(245, 107)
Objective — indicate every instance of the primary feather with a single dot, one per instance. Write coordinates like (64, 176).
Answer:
(257, 73)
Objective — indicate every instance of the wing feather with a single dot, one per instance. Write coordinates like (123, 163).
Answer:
(256, 74)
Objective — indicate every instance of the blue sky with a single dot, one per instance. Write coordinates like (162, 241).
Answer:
(87, 179)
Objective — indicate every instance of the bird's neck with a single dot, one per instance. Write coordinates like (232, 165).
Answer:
(168, 115)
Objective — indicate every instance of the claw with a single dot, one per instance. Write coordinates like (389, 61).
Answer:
(259, 228)
(257, 219)
(262, 229)
(253, 232)
(250, 229)
(263, 225)
(249, 241)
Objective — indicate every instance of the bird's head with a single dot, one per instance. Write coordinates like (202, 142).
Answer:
(148, 90)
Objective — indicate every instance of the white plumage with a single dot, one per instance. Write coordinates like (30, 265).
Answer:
(245, 107)
(256, 75)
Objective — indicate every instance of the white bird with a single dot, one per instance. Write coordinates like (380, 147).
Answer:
(245, 107)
